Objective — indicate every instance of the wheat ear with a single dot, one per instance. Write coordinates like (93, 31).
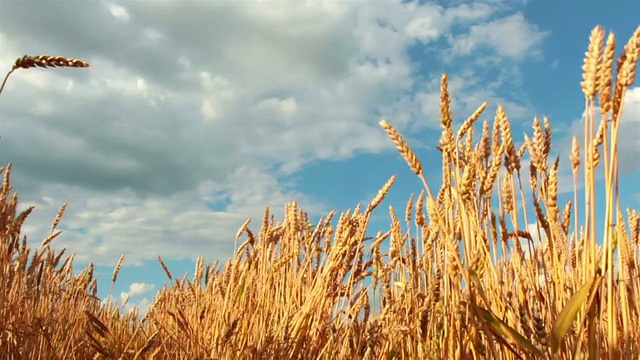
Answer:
(44, 61)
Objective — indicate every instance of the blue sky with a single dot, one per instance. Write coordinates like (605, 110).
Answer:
(195, 115)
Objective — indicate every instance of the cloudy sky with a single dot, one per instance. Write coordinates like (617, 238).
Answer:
(194, 115)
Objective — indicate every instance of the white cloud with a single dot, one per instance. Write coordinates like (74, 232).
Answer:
(129, 300)
(135, 289)
(142, 305)
(218, 91)
(277, 107)
(511, 37)
(629, 133)
(429, 27)
(434, 21)
(99, 227)
(466, 13)
(120, 12)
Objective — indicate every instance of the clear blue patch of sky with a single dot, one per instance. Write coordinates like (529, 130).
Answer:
(220, 204)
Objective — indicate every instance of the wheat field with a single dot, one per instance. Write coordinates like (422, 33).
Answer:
(455, 283)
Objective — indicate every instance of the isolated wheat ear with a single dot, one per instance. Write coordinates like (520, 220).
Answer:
(43, 61)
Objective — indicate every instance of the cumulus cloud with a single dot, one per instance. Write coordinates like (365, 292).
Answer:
(629, 133)
(135, 289)
(186, 224)
(142, 305)
(436, 21)
(131, 299)
(511, 37)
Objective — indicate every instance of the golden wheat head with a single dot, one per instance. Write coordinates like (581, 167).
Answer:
(43, 61)
(402, 146)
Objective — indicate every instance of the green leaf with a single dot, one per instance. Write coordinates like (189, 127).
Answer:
(476, 282)
(570, 311)
(507, 332)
